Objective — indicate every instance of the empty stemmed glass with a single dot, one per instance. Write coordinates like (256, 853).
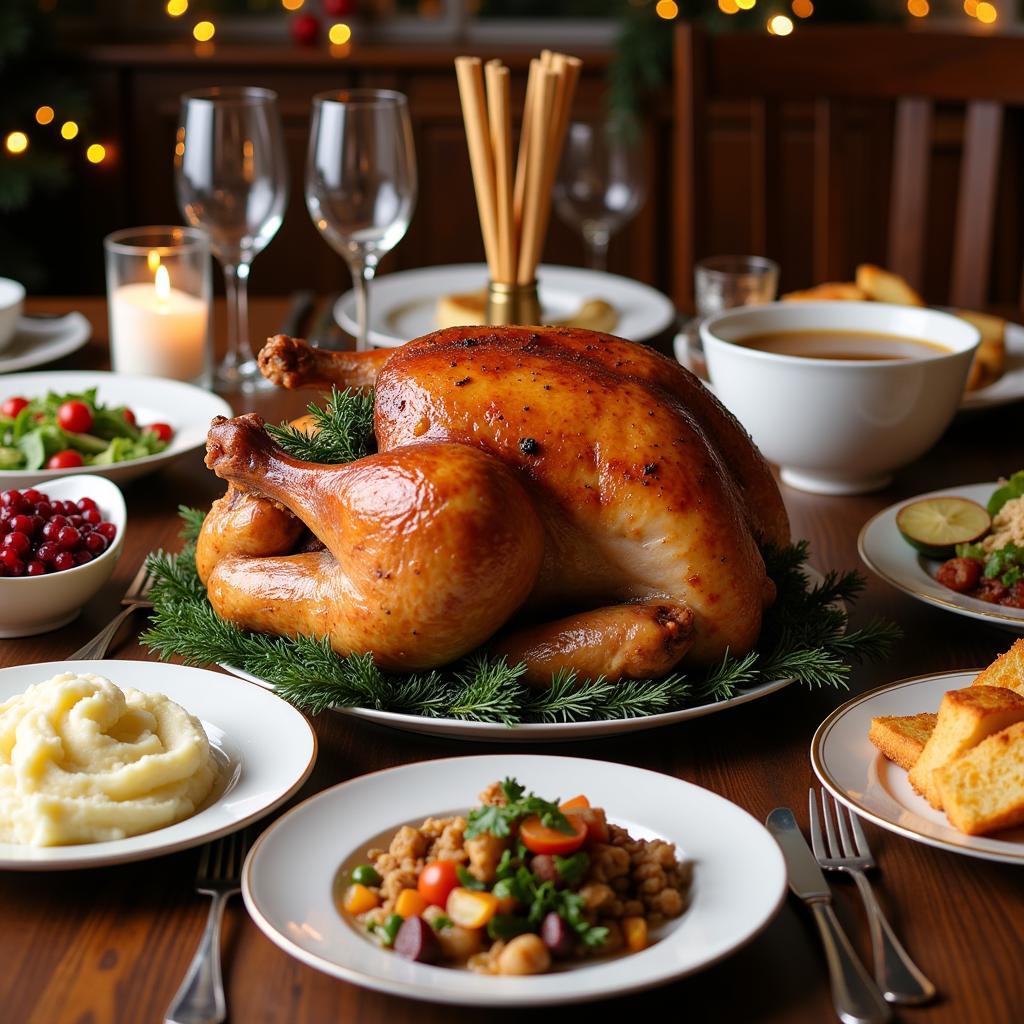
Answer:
(361, 181)
(600, 183)
(232, 181)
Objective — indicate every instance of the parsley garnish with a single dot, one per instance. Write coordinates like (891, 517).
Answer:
(518, 804)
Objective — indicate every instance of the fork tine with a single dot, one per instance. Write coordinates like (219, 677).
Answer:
(841, 814)
(203, 870)
(830, 832)
(862, 840)
(817, 842)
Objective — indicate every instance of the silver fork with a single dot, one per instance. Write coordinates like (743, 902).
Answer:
(899, 978)
(137, 596)
(200, 999)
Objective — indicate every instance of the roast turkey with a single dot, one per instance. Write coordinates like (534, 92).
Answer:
(569, 499)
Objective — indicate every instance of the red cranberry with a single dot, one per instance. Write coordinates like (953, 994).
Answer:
(76, 520)
(64, 560)
(23, 524)
(19, 543)
(35, 568)
(68, 538)
(44, 508)
(10, 497)
(32, 495)
(92, 516)
(108, 530)
(81, 557)
(53, 526)
(86, 504)
(12, 563)
(95, 542)
(47, 552)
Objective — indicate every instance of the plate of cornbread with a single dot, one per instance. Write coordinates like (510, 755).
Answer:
(938, 758)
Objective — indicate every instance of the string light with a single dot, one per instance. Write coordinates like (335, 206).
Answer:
(292, 5)
(339, 34)
(780, 25)
(176, 8)
(204, 31)
(68, 130)
(971, 8)
(918, 8)
(96, 153)
(16, 143)
(986, 13)
(666, 9)
(746, 5)
(728, 6)
(803, 8)
(44, 115)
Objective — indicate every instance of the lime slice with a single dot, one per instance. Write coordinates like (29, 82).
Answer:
(934, 526)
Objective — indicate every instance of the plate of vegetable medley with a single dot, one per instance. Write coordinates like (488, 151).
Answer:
(513, 880)
(118, 426)
(961, 549)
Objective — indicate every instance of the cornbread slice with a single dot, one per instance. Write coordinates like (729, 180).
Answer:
(966, 717)
(902, 738)
(885, 286)
(845, 291)
(1007, 670)
(983, 791)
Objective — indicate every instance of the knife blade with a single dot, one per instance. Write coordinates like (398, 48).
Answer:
(855, 996)
(806, 878)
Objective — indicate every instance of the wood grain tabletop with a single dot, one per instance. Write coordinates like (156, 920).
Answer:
(92, 946)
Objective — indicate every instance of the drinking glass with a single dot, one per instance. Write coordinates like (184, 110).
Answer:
(361, 181)
(724, 282)
(231, 180)
(600, 184)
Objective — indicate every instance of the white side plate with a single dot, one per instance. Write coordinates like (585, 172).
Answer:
(40, 341)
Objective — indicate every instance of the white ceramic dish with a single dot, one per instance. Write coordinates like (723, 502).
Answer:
(1008, 389)
(38, 604)
(403, 305)
(839, 426)
(12, 300)
(40, 341)
(739, 879)
(888, 555)
(266, 749)
(856, 773)
(187, 409)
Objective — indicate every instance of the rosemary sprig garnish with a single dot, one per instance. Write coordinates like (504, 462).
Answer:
(803, 637)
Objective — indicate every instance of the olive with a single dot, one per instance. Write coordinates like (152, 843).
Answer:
(543, 867)
(416, 941)
(556, 935)
(365, 874)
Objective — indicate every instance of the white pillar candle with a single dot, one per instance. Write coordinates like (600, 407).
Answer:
(158, 330)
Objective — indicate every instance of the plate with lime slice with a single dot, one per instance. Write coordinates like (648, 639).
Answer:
(961, 549)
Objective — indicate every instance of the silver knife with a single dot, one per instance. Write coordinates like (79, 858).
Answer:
(855, 996)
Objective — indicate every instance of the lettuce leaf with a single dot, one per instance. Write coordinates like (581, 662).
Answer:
(1013, 488)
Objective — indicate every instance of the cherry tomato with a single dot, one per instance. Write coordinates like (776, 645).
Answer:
(12, 406)
(163, 431)
(67, 459)
(75, 416)
(129, 416)
(539, 838)
(437, 880)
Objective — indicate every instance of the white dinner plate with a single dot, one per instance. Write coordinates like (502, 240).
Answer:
(1009, 388)
(43, 340)
(187, 409)
(739, 876)
(858, 774)
(403, 305)
(265, 748)
(888, 555)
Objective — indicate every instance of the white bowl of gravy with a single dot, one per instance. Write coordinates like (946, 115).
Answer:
(839, 394)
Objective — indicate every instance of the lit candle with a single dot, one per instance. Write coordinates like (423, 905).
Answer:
(156, 329)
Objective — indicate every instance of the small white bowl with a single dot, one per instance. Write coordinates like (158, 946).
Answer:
(38, 604)
(12, 300)
(838, 426)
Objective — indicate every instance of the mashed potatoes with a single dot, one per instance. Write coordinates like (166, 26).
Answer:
(1007, 526)
(83, 761)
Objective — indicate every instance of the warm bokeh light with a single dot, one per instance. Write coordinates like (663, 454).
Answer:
(728, 6)
(971, 8)
(918, 8)
(96, 153)
(292, 5)
(162, 282)
(16, 142)
(44, 115)
(204, 31)
(152, 260)
(802, 8)
(667, 9)
(780, 25)
(176, 8)
(746, 5)
(986, 13)
(339, 34)
(68, 130)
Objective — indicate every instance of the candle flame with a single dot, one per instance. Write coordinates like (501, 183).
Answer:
(163, 284)
(152, 260)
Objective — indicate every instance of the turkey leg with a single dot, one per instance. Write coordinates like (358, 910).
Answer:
(293, 363)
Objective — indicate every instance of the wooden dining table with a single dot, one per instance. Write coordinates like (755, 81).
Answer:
(112, 944)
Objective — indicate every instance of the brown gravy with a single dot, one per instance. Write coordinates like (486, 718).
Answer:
(840, 344)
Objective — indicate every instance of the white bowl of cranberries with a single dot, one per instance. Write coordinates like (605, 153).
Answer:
(59, 543)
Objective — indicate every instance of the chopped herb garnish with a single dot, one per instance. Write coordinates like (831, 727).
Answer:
(498, 820)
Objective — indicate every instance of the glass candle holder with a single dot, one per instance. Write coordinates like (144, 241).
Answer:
(158, 301)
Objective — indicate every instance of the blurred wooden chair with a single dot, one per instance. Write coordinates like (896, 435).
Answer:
(906, 74)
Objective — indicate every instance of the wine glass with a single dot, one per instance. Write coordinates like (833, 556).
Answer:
(361, 181)
(231, 180)
(600, 184)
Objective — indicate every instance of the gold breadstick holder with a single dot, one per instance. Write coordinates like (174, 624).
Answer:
(513, 303)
